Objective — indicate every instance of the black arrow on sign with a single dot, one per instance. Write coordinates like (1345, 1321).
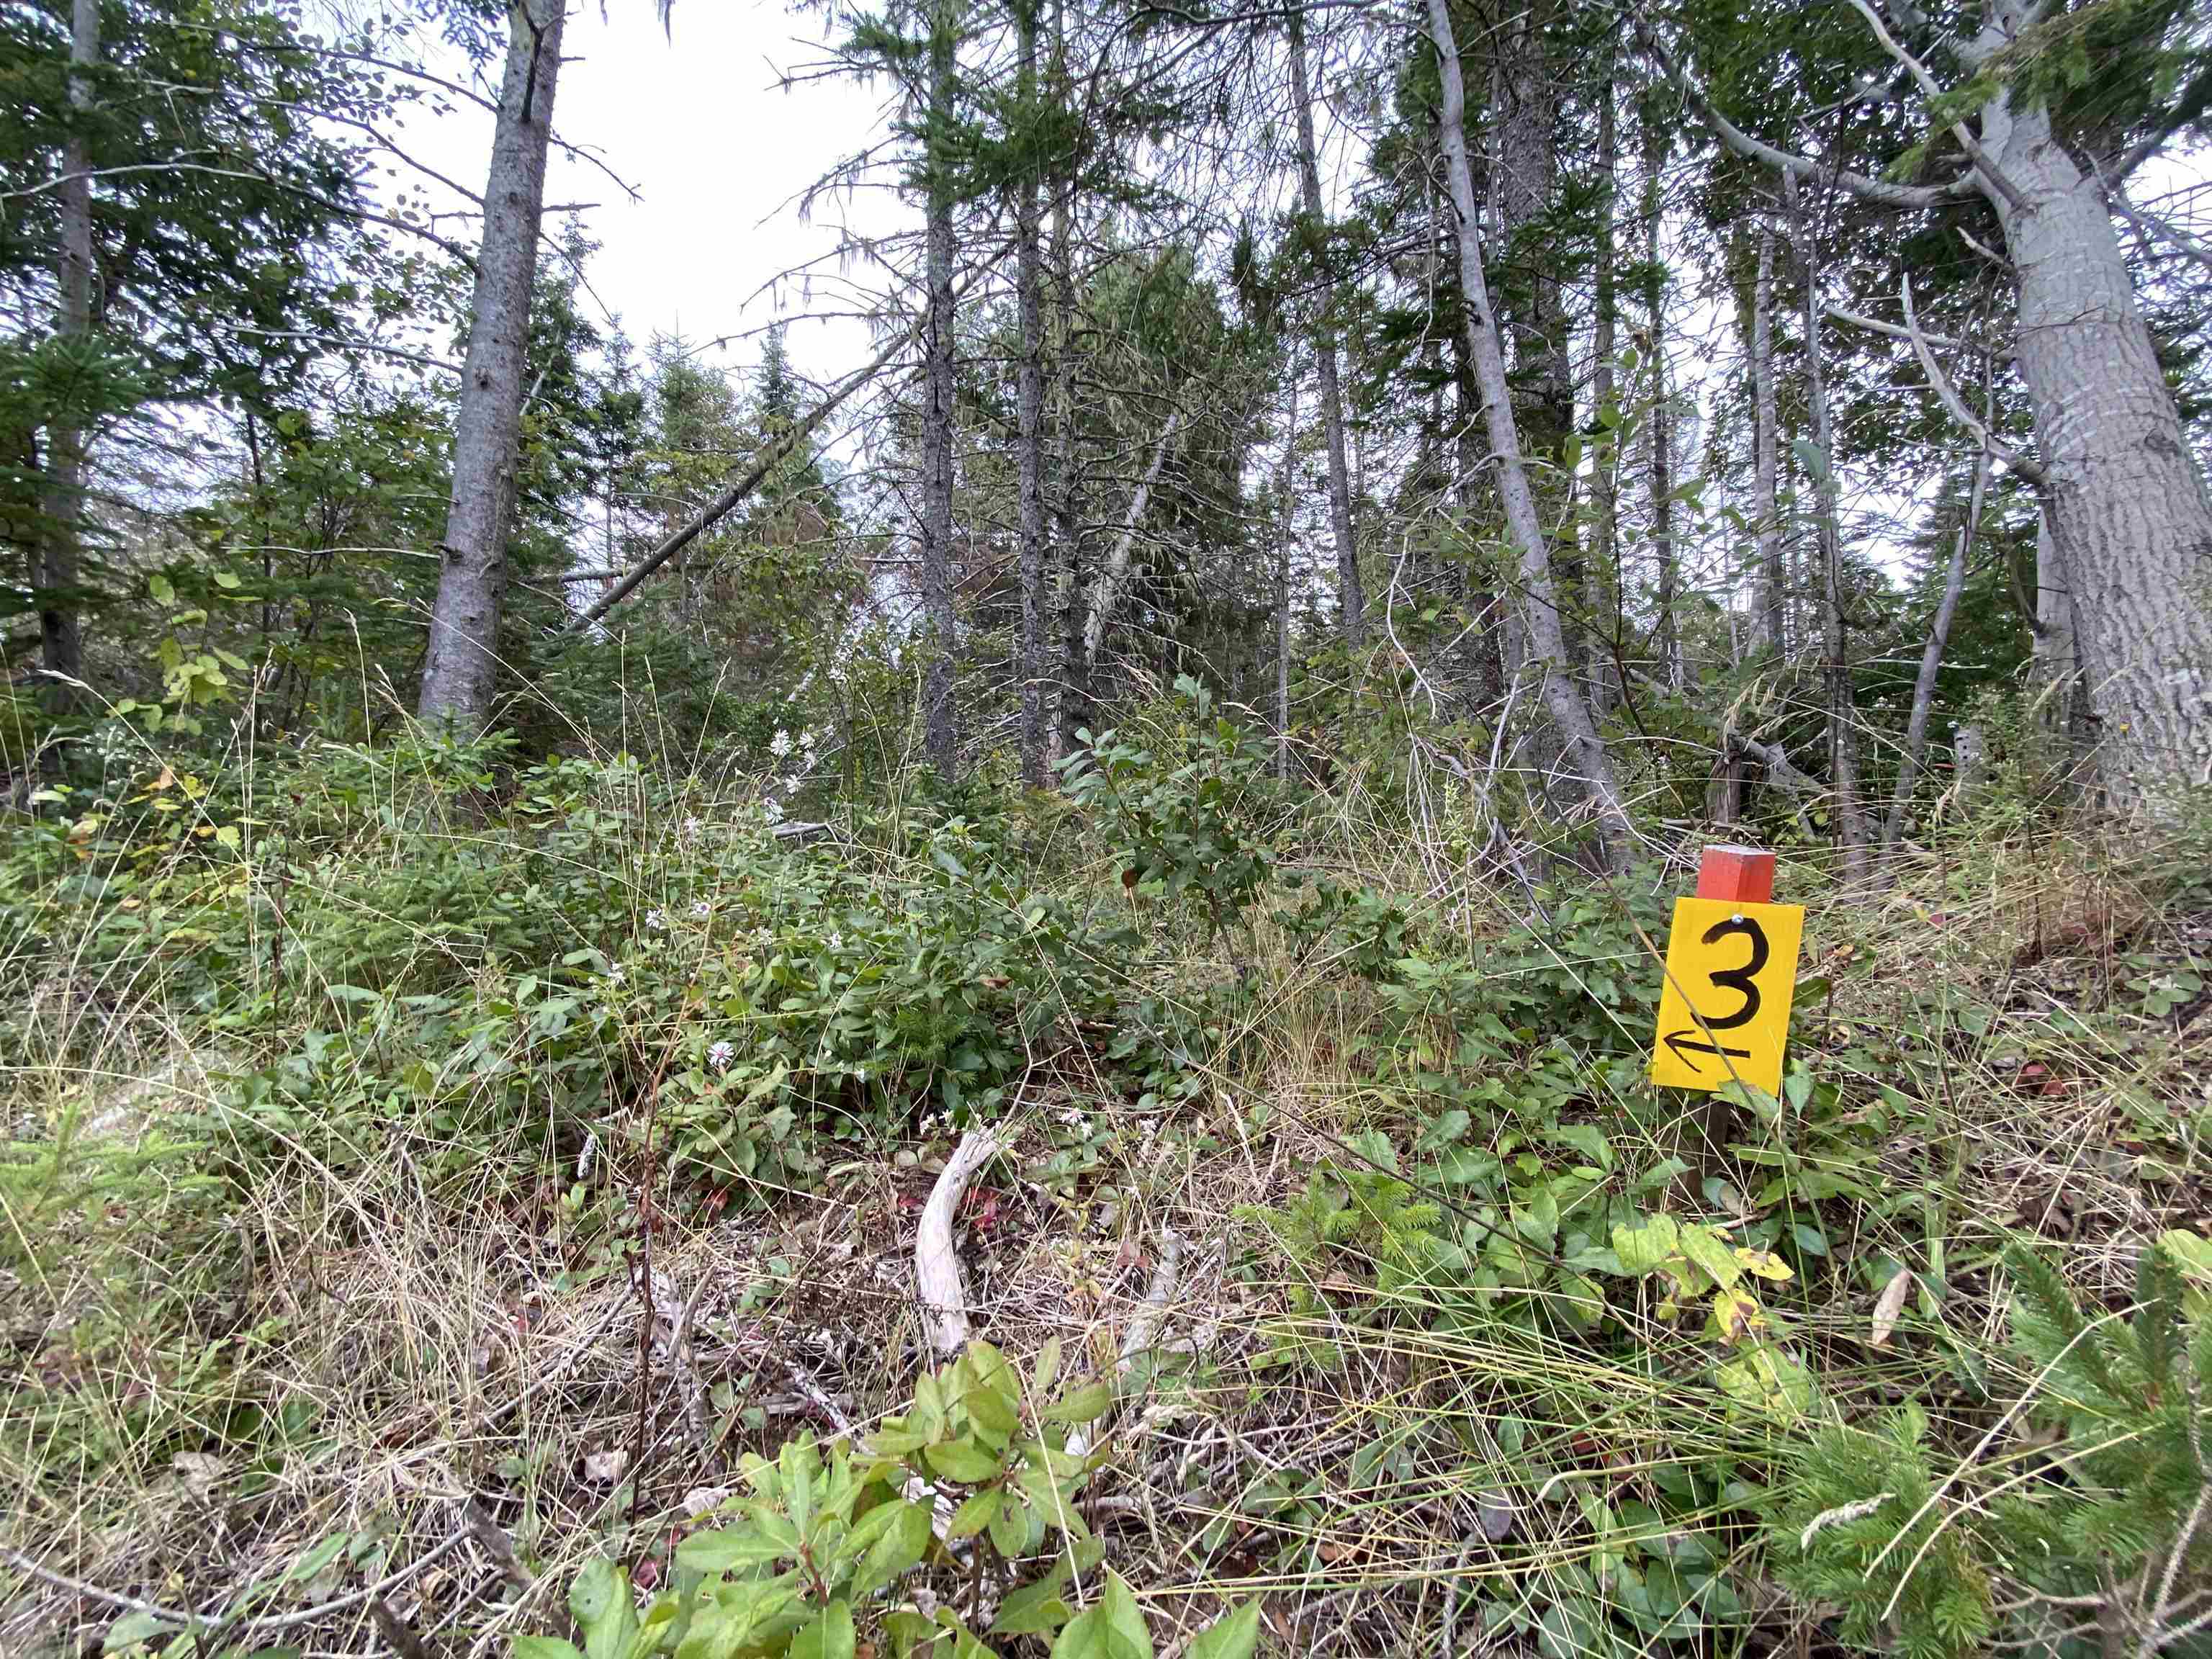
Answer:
(1675, 1040)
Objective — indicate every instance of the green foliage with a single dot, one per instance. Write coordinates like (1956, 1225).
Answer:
(1933, 1565)
(1189, 828)
(980, 1475)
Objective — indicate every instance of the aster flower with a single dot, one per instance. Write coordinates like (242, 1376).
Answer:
(719, 1053)
(780, 746)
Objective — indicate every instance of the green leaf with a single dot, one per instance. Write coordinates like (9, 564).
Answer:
(525, 1647)
(964, 1460)
(1713, 1254)
(829, 1637)
(726, 1549)
(601, 1602)
(1084, 1404)
(977, 1512)
(899, 1549)
(1231, 1638)
(1125, 1619)
(1647, 1248)
(1035, 1609)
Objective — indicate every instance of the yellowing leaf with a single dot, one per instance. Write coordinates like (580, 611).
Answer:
(1888, 1305)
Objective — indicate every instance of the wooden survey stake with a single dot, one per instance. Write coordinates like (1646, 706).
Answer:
(1731, 970)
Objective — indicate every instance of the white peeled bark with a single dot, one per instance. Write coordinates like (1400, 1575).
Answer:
(1583, 752)
(937, 1273)
(461, 670)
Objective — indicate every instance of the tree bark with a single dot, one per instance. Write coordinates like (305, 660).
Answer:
(1028, 280)
(1842, 734)
(1773, 598)
(1530, 314)
(1931, 664)
(60, 630)
(2127, 504)
(940, 732)
(1282, 576)
(1584, 752)
(1604, 569)
(1073, 710)
(1351, 605)
(462, 667)
(1660, 431)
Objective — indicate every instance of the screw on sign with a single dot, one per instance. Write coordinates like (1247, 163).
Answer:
(1731, 969)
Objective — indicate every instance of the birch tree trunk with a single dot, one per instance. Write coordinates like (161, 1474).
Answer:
(940, 733)
(1028, 278)
(1773, 601)
(461, 670)
(1843, 735)
(1660, 429)
(1351, 605)
(2126, 501)
(60, 632)
(1583, 752)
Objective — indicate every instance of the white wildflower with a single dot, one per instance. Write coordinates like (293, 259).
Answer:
(615, 975)
(701, 910)
(655, 920)
(780, 746)
(691, 827)
(835, 941)
(719, 1053)
(770, 810)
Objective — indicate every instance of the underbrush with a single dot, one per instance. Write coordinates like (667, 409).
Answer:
(471, 1206)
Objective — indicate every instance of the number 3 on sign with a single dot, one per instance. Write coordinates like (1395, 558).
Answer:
(1724, 1011)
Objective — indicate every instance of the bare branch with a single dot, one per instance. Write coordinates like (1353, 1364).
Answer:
(1967, 142)
(2031, 471)
(1879, 191)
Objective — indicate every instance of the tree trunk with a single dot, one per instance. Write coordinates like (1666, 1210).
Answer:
(462, 667)
(1931, 664)
(1843, 735)
(2126, 500)
(1530, 314)
(1028, 282)
(940, 733)
(1604, 578)
(1073, 710)
(1660, 433)
(1282, 576)
(61, 634)
(1114, 576)
(1584, 753)
(1773, 595)
(1350, 603)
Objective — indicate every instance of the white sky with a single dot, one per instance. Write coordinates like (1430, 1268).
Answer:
(718, 157)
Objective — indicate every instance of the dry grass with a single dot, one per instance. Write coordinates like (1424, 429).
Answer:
(469, 1382)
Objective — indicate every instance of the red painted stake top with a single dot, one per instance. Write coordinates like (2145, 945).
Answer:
(1744, 874)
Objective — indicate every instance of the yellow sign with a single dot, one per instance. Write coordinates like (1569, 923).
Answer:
(1736, 966)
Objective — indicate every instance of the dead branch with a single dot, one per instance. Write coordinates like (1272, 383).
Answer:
(936, 1263)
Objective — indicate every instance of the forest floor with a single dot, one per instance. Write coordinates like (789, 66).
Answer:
(314, 1356)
